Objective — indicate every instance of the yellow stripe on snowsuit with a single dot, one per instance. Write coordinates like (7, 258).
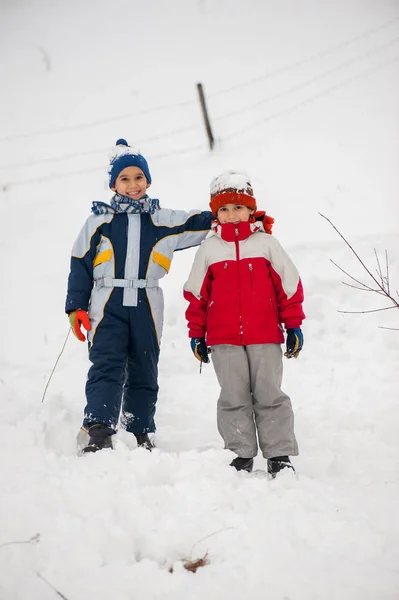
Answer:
(162, 260)
(102, 257)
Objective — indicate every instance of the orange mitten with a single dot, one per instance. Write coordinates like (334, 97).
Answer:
(76, 319)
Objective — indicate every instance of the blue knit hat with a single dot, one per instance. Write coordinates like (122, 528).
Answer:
(125, 156)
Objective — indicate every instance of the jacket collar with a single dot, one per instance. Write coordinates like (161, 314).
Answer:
(124, 204)
(230, 232)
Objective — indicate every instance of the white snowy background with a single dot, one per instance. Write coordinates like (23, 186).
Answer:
(304, 95)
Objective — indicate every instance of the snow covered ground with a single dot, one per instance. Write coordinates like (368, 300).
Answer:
(304, 96)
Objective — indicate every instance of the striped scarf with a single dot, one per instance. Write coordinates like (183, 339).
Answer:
(123, 204)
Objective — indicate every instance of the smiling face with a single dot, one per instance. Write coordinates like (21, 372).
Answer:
(131, 182)
(234, 213)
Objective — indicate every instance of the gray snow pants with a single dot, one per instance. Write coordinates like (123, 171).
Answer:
(251, 401)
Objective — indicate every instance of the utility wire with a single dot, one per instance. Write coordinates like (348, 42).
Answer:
(309, 100)
(90, 124)
(304, 61)
(247, 108)
(182, 151)
(305, 84)
(235, 134)
(53, 159)
(162, 107)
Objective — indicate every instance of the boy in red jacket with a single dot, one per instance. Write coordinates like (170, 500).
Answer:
(241, 289)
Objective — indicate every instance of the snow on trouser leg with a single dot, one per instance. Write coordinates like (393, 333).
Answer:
(273, 412)
(140, 392)
(124, 371)
(251, 401)
(235, 417)
(106, 376)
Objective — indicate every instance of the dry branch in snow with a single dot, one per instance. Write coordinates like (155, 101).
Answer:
(193, 565)
(380, 283)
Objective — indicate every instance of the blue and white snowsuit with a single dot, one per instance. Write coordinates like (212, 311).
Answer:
(117, 261)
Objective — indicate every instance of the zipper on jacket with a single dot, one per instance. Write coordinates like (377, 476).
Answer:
(239, 286)
(250, 275)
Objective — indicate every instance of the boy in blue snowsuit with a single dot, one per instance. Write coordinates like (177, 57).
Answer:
(121, 253)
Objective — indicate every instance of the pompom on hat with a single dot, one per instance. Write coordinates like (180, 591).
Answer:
(231, 187)
(126, 156)
(234, 187)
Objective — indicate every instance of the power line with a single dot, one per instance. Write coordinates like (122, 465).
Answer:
(309, 100)
(53, 159)
(8, 185)
(246, 108)
(304, 61)
(235, 134)
(90, 124)
(270, 74)
(308, 82)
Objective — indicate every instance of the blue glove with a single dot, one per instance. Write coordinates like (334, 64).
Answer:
(294, 342)
(200, 350)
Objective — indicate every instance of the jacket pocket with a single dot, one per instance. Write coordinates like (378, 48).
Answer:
(275, 310)
(250, 267)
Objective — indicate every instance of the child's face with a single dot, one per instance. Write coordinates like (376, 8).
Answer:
(131, 182)
(234, 213)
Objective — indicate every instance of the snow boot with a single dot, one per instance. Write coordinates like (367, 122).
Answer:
(276, 464)
(242, 464)
(100, 437)
(143, 441)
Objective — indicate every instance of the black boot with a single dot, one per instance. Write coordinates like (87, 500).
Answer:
(143, 441)
(277, 463)
(242, 464)
(100, 438)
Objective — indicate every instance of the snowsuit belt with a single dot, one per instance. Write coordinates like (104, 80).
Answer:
(109, 282)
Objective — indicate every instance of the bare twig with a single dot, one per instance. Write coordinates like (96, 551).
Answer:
(379, 272)
(381, 280)
(363, 289)
(193, 565)
(55, 365)
(52, 587)
(208, 536)
(33, 540)
(361, 312)
(384, 278)
(354, 252)
(350, 276)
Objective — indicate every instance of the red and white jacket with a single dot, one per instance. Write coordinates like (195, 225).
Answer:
(242, 287)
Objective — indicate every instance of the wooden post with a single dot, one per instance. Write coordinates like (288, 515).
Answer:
(205, 115)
